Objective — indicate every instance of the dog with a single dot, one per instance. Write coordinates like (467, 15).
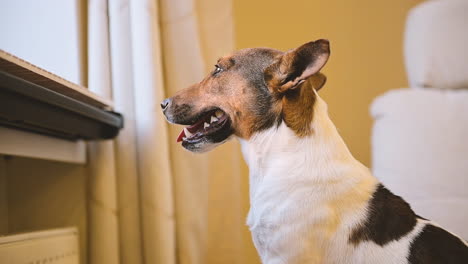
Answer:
(311, 200)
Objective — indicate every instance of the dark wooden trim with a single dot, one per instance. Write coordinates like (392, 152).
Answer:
(29, 106)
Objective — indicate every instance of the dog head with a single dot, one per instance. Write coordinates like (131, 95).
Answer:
(247, 92)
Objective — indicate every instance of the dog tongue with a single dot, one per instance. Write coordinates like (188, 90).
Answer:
(192, 129)
(181, 136)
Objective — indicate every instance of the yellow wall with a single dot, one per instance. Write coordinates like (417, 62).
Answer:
(366, 41)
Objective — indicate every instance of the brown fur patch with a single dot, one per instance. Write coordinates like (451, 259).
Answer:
(298, 105)
(298, 109)
(293, 77)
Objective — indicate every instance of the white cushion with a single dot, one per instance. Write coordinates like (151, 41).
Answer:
(436, 44)
(420, 151)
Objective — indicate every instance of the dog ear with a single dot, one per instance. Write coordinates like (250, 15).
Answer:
(318, 80)
(295, 66)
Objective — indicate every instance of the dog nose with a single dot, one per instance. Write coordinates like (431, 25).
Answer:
(165, 104)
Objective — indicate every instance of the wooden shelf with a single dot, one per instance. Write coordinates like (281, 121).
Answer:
(34, 100)
(29, 72)
(45, 116)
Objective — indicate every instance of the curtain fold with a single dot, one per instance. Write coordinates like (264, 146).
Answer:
(154, 170)
(174, 206)
(102, 198)
(126, 162)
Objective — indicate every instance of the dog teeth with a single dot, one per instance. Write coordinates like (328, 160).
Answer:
(219, 113)
(213, 119)
(184, 138)
(187, 133)
(205, 125)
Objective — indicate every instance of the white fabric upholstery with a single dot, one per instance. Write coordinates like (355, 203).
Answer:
(420, 151)
(436, 44)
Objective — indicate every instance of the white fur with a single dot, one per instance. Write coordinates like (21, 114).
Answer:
(307, 194)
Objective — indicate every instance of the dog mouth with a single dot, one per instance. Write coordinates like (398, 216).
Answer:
(210, 124)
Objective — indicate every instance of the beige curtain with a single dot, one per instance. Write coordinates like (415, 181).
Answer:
(150, 200)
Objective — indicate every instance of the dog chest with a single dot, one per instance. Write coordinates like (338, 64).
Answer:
(294, 228)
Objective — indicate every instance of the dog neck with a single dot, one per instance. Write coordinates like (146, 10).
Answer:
(278, 156)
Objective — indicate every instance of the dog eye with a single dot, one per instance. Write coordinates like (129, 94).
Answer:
(217, 69)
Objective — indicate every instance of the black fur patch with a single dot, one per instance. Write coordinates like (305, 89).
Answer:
(389, 218)
(434, 245)
(253, 71)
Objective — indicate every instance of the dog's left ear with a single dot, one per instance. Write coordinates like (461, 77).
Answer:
(296, 65)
